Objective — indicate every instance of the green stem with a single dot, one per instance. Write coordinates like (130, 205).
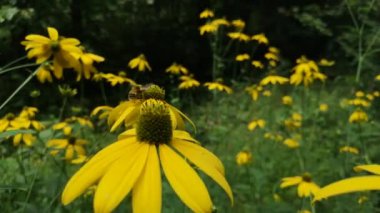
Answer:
(2, 71)
(62, 110)
(18, 89)
(300, 160)
(13, 62)
(103, 91)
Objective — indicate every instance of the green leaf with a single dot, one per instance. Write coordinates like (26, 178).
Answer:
(15, 132)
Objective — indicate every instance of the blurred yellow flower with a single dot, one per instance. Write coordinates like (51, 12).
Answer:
(306, 187)
(370, 97)
(7, 121)
(358, 116)
(294, 122)
(256, 123)
(207, 13)
(132, 165)
(306, 71)
(271, 56)
(326, 63)
(243, 158)
(105, 111)
(261, 38)
(239, 36)
(349, 149)
(220, 21)
(140, 63)
(242, 57)
(254, 91)
(376, 94)
(27, 138)
(359, 102)
(60, 48)
(273, 79)
(359, 94)
(208, 28)
(72, 146)
(323, 107)
(267, 93)
(287, 100)
(64, 126)
(188, 82)
(44, 73)
(117, 79)
(85, 67)
(362, 199)
(177, 69)
(218, 85)
(377, 78)
(274, 50)
(258, 64)
(291, 143)
(353, 184)
(238, 23)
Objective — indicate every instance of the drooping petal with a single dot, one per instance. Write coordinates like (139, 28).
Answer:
(94, 169)
(70, 41)
(118, 181)
(147, 190)
(290, 181)
(354, 184)
(201, 158)
(185, 181)
(373, 168)
(183, 115)
(69, 152)
(37, 38)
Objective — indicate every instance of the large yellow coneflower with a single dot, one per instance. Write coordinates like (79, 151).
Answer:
(132, 164)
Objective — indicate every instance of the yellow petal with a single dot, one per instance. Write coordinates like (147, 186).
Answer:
(185, 181)
(70, 41)
(373, 168)
(17, 139)
(290, 181)
(79, 150)
(38, 38)
(147, 190)
(354, 184)
(118, 181)
(28, 139)
(200, 157)
(53, 33)
(69, 152)
(94, 169)
(57, 143)
(127, 134)
(183, 135)
(183, 115)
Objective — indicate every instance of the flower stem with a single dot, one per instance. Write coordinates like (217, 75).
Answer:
(2, 70)
(13, 62)
(18, 89)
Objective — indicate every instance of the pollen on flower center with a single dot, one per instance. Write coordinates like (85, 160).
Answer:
(154, 125)
(154, 92)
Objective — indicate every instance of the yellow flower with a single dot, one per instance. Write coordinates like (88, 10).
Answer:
(128, 112)
(207, 13)
(261, 38)
(105, 111)
(208, 28)
(238, 23)
(349, 149)
(257, 123)
(27, 138)
(323, 107)
(72, 146)
(287, 100)
(86, 68)
(64, 126)
(370, 97)
(60, 48)
(238, 36)
(304, 211)
(188, 82)
(220, 21)
(354, 184)
(44, 73)
(326, 63)
(359, 94)
(132, 165)
(177, 69)
(359, 102)
(28, 112)
(254, 91)
(243, 158)
(306, 187)
(258, 64)
(79, 160)
(291, 143)
(242, 57)
(294, 122)
(271, 56)
(273, 79)
(377, 78)
(7, 121)
(218, 86)
(267, 93)
(118, 79)
(306, 71)
(140, 63)
(358, 116)
(274, 50)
